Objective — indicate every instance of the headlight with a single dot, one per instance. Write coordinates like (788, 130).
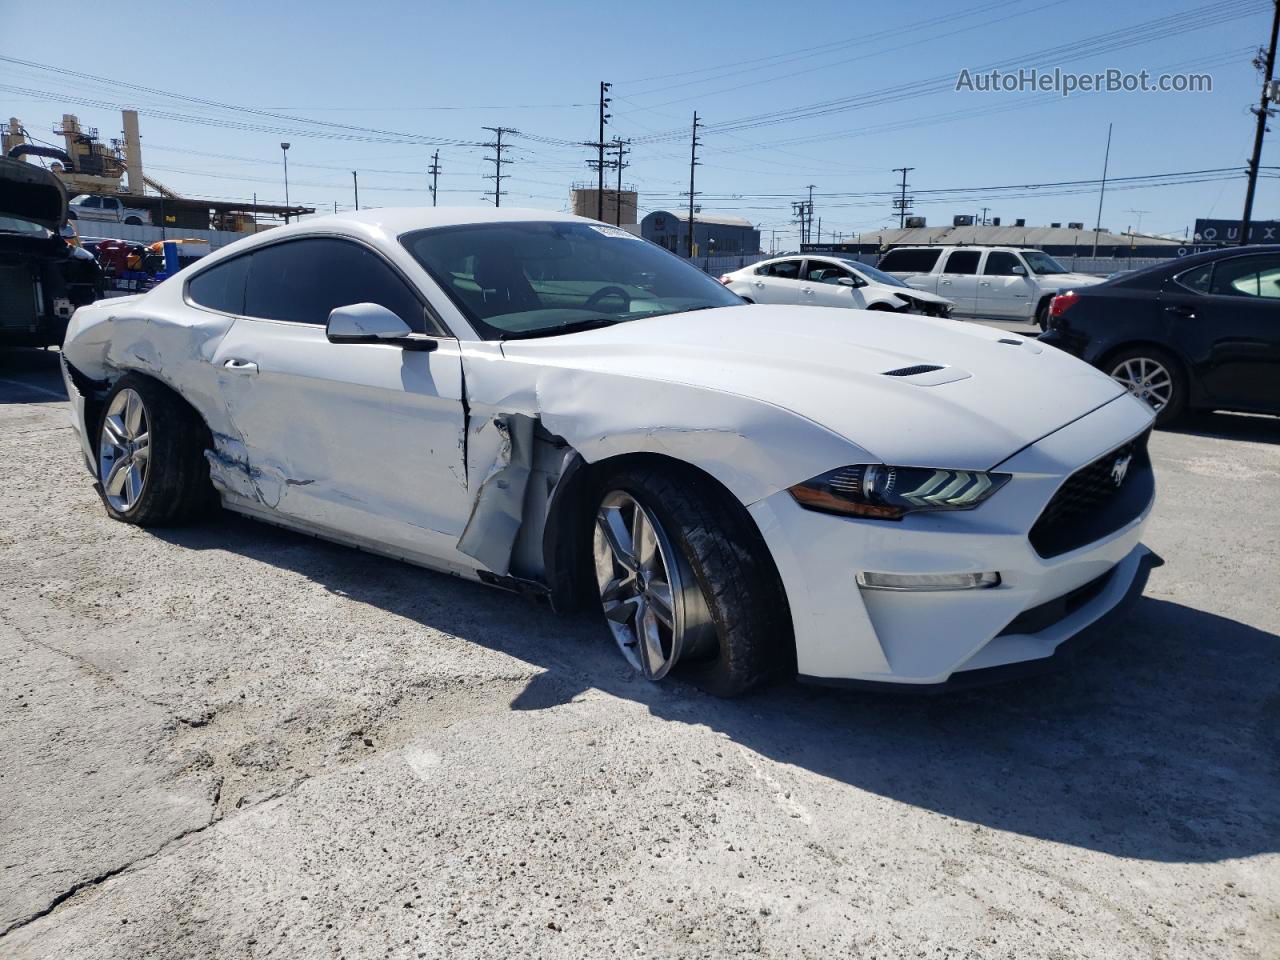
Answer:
(874, 490)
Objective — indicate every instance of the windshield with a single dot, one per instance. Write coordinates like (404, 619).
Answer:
(874, 275)
(538, 279)
(1042, 263)
(24, 227)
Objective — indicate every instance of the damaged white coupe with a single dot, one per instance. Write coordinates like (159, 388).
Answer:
(555, 406)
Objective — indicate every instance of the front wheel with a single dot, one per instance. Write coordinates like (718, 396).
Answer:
(686, 583)
(151, 466)
(1153, 376)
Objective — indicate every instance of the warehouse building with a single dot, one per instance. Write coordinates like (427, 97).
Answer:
(713, 234)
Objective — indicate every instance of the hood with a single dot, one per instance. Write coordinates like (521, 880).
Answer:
(1065, 281)
(994, 393)
(31, 193)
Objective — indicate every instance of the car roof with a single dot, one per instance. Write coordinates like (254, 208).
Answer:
(399, 220)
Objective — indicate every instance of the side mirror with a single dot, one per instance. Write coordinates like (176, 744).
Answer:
(1018, 270)
(847, 282)
(372, 323)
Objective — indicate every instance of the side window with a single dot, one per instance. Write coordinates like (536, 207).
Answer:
(819, 272)
(221, 287)
(963, 262)
(304, 280)
(1197, 278)
(909, 261)
(1001, 264)
(110, 203)
(784, 270)
(1248, 277)
(93, 202)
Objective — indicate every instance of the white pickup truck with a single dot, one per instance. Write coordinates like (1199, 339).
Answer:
(1004, 282)
(111, 209)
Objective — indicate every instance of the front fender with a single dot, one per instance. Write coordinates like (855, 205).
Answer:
(751, 447)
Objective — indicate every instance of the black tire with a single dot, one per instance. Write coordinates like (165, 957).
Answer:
(733, 569)
(884, 307)
(1177, 403)
(176, 488)
(1042, 315)
(747, 300)
(133, 221)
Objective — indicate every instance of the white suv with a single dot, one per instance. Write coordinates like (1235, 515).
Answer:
(112, 209)
(1005, 282)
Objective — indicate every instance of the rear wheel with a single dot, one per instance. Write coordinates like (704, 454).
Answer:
(1153, 376)
(1042, 315)
(151, 466)
(686, 583)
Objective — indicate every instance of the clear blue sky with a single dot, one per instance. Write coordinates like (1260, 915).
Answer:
(395, 66)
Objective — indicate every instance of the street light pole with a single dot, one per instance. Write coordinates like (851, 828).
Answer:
(284, 149)
(355, 182)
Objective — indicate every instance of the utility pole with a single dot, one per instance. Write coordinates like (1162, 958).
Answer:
(983, 221)
(901, 203)
(284, 149)
(497, 176)
(1263, 112)
(693, 163)
(619, 145)
(1102, 192)
(1137, 229)
(355, 182)
(819, 231)
(434, 170)
(604, 118)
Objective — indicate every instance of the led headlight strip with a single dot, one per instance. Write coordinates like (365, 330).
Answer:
(887, 493)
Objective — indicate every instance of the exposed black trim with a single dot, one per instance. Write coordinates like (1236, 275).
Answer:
(1062, 657)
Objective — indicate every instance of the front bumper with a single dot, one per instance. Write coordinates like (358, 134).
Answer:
(845, 633)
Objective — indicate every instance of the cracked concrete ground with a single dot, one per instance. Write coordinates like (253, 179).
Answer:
(231, 741)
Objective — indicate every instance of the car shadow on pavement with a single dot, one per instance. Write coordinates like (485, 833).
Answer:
(30, 376)
(1229, 426)
(1162, 744)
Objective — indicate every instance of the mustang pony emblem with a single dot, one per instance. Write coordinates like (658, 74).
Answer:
(1120, 468)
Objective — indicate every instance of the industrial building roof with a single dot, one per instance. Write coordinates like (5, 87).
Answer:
(1006, 236)
(719, 219)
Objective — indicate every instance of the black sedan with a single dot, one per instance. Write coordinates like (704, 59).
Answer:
(1201, 332)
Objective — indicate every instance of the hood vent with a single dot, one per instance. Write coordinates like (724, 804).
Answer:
(912, 371)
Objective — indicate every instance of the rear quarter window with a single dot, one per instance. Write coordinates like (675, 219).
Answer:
(221, 287)
(909, 261)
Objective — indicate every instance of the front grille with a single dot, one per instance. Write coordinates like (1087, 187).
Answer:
(1090, 504)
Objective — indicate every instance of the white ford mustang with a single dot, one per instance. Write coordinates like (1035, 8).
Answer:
(549, 404)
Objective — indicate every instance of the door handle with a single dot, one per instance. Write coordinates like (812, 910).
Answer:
(760, 284)
(1180, 310)
(241, 366)
(945, 283)
(806, 290)
(984, 283)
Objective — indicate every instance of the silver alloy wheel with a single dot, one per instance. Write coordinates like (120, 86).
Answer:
(1146, 379)
(124, 450)
(650, 597)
